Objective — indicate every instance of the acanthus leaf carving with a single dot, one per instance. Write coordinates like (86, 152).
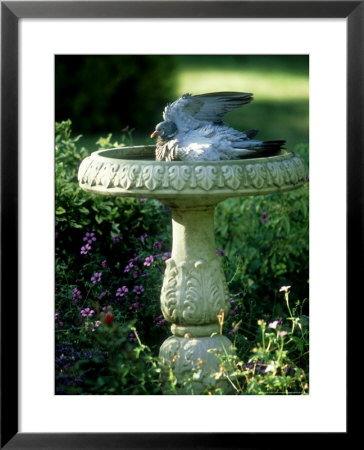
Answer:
(179, 176)
(232, 176)
(206, 176)
(194, 292)
(227, 176)
(152, 176)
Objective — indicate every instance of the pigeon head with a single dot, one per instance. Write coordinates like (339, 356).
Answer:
(166, 130)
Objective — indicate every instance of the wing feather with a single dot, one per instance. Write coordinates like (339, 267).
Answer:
(213, 107)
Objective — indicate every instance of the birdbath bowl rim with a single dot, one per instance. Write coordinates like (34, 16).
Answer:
(133, 172)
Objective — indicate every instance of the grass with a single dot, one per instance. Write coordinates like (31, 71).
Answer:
(280, 86)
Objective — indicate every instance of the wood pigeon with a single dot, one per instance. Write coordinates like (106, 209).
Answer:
(193, 130)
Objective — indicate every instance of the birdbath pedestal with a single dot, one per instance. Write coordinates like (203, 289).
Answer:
(194, 296)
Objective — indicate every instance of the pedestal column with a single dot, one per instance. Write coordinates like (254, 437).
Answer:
(194, 293)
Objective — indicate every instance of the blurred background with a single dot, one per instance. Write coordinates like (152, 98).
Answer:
(115, 94)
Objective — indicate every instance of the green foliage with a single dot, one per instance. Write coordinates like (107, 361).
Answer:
(78, 211)
(266, 240)
(108, 93)
(276, 362)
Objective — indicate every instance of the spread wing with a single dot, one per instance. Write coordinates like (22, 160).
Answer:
(213, 107)
(190, 110)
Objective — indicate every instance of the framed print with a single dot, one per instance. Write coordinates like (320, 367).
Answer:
(32, 33)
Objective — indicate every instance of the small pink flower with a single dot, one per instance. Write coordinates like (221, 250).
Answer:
(87, 312)
(148, 260)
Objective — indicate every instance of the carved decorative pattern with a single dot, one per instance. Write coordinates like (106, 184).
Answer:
(283, 171)
(193, 293)
(199, 355)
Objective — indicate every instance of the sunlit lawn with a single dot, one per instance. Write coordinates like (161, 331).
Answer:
(280, 106)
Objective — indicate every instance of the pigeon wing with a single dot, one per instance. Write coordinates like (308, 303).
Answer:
(176, 112)
(213, 107)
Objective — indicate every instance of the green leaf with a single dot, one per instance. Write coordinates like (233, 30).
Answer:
(60, 210)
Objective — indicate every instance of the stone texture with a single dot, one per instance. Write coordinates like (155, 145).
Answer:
(111, 172)
(196, 356)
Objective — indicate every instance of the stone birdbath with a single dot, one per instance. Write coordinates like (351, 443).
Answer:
(194, 295)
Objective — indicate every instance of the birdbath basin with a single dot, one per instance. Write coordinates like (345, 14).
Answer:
(194, 294)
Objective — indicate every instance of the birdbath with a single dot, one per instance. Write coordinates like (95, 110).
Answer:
(194, 296)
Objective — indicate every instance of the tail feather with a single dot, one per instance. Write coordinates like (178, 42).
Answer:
(272, 145)
(256, 148)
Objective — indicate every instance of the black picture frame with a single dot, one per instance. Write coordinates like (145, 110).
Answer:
(11, 12)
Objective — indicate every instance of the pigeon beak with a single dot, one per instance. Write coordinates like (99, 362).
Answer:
(154, 134)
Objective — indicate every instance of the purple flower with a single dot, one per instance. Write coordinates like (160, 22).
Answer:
(89, 238)
(157, 246)
(87, 312)
(104, 264)
(138, 289)
(128, 267)
(264, 218)
(132, 337)
(134, 305)
(123, 290)
(233, 311)
(248, 366)
(159, 320)
(143, 237)
(96, 277)
(220, 252)
(116, 239)
(143, 199)
(76, 295)
(102, 295)
(148, 260)
(166, 255)
(135, 274)
(85, 249)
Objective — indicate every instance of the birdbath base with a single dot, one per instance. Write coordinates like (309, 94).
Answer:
(194, 296)
(196, 358)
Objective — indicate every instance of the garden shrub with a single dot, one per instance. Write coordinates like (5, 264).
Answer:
(122, 86)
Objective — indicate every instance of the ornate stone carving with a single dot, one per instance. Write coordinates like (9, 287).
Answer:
(186, 356)
(194, 292)
(245, 176)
